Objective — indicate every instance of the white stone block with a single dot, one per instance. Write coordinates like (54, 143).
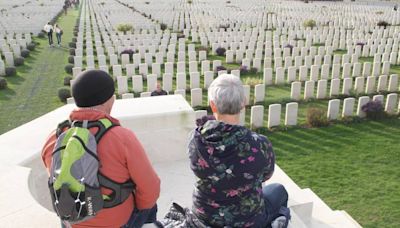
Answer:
(156, 69)
(193, 66)
(259, 93)
(151, 82)
(303, 73)
(167, 82)
(291, 74)
(361, 102)
(246, 89)
(335, 87)
(309, 90)
(314, 73)
(274, 115)
(333, 109)
(370, 88)
(208, 79)
(366, 69)
(347, 85)
(291, 114)
(257, 116)
(382, 83)
(122, 84)
(169, 68)
(386, 68)
(196, 97)
(143, 69)
(145, 94)
(348, 106)
(127, 96)
(335, 71)
(125, 60)
(321, 89)
(295, 91)
(137, 83)
(194, 80)
(181, 92)
(359, 85)
(391, 103)
(181, 81)
(376, 70)
(181, 67)
(267, 76)
(325, 71)
(130, 70)
(379, 98)
(280, 76)
(200, 114)
(346, 70)
(117, 71)
(393, 83)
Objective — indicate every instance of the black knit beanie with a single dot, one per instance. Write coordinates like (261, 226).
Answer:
(92, 87)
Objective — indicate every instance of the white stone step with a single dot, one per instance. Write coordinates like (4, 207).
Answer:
(18, 207)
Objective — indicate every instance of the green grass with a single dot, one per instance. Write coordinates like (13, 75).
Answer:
(351, 167)
(33, 91)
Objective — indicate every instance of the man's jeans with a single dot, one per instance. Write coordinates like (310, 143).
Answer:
(275, 197)
(50, 36)
(140, 217)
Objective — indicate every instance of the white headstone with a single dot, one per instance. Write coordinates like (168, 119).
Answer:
(259, 93)
(333, 109)
(295, 91)
(137, 83)
(257, 116)
(122, 84)
(180, 81)
(200, 113)
(246, 89)
(291, 114)
(145, 94)
(359, 85)
(309, 90)
(361, 102)
(347, 85)
(127, 96)
(274, 115)
(321, 89)
(379, 98)
(267, 76)
(335, 86)
(167, 82)
(117, 71)
(393, 83)
(196, 97)
(208, 79)
(391, 103)
(348, 106)
(151, 82)
(382, 83)
(194, 80)
(370, 88)
(280, 76)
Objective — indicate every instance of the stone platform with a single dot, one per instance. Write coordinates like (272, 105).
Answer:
(162, 125)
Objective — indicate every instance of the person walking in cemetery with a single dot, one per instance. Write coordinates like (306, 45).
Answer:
(59, 33)
(231, 163)
(159, 91)
(123, 160)
(48, 28)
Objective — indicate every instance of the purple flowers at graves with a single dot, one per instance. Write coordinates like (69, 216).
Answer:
(219, 68)
(220, 51)
(360, 44)
(130, 52)
(243, 70)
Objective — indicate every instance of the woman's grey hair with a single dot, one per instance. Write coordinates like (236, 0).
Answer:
(227, 93)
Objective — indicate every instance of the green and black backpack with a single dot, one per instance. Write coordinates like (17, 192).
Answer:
(75, 179)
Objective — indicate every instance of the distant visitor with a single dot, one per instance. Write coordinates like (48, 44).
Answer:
(48, 28)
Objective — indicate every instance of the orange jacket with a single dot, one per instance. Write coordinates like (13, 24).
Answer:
(122, 157)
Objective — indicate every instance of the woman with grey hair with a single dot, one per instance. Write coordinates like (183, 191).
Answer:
(231, 163)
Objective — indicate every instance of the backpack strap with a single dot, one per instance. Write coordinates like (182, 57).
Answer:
(61, 126)
(120, 191)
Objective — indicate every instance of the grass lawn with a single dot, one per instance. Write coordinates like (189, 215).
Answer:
(33, 91)
(351, 167)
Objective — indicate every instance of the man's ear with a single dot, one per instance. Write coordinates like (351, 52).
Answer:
(213, 107)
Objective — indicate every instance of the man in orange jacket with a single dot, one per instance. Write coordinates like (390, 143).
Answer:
(121, 155)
